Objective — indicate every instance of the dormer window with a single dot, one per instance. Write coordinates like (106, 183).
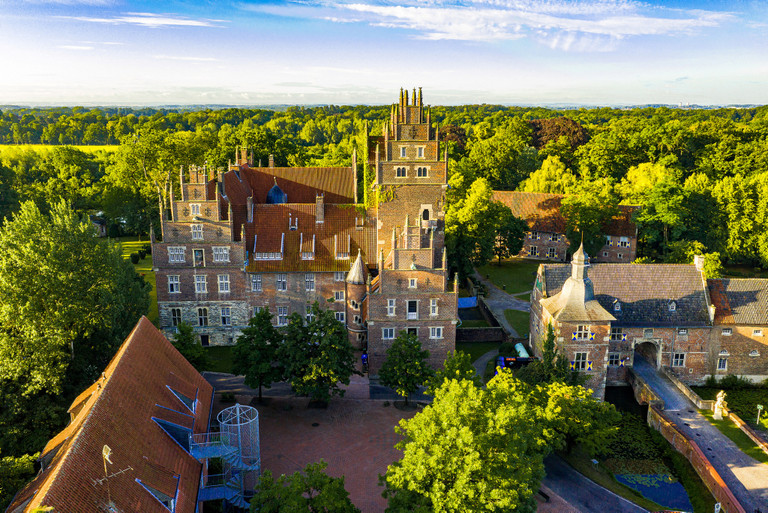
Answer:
(724, 352)
(293, 223)
(754, 353)
(616, 306)
(672, 306)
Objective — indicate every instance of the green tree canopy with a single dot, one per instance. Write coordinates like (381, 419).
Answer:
(255, 353)
(552, 177)
(458, 365)
(187, 344)
(313, 491)
(405, 368)
(587, 212)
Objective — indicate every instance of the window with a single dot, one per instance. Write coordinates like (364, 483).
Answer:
(425, 215)
(580, 362)
(436, 332)
(223, 283)
(608, 240)
(357, 319)
(195, 208)
(388, 333)
(413, 331)
(421, 172)
(175, 254)
(617, 334)
(411, 283)
(256, 283)
(413, 310)
(757, 333)
(309, 315)
(648, 333)
(282, 315)
(257, 309)
(683, 332)
(202, 316)
(226, 316)
(338, 295)
(551, 253)
(617, 306)
(340, 316)
(282, 282)
(390, 307)
(201, 284)
(339, 276)
(727, 332)
(197, 232)
(620, 256)
(402, 152)
(400, 172)
(623, 242)
(309, 281)
(174, 287)
(613, 359)
(722, 364)
(754, 353)
(175, 316)
(553, 237)
(199, 257)
(534, 251)
(605, 254)
(420, 152)
(433, 307)
(534, 235)
(582, 332)
(678, 360)
(354, 304)
(672, 306)
(221, 254)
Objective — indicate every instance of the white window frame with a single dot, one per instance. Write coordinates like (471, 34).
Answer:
(390, 307)
(757, 332)
(339, 276)
(401, 172)
(226, 316)
(435, 332)
(533, 251)
(422, 172)
(176, 254)
(176, 319)
(433, 307)
(223, 280)
(678, 359)
(722, 364)
(309, 316)
(413, 283)
(617, 334)
(387, 333)
(174, 284)
(683, 332)
(282, 316)
(412, 316)
(256, 283)
(402, 152)
(727, 332)
(309, 282)
(197, 231)
(339, 316)
(535, 236)
(614, 359)
(202, 316)
(221, 253)
(338, 295)
(580, 360)
(201, 284)
(281, 282)
(582, 332)
(620, 256)
(420, 152)
(551, 253)
(194, 209)
(256, 310)
(623, 242)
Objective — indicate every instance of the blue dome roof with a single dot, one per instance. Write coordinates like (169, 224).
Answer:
(276, 195)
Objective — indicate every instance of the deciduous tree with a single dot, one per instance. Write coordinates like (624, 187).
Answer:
(405, 368)
(255, 352)
(458, 366)
(187, 344)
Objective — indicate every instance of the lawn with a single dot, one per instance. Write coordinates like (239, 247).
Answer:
(519, 321)
(514, 275)
(219, 359)
(743, 401)
(476, 349)
(737, 436)
(130, 245)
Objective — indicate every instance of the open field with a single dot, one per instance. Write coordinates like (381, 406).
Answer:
(513, 276)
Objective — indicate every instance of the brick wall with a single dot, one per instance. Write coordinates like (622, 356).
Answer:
(746, 354)
(595, 347)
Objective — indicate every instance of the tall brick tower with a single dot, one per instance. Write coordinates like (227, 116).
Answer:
(410, 292)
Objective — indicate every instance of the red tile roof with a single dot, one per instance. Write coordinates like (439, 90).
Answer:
(117, 412)
(542, 212)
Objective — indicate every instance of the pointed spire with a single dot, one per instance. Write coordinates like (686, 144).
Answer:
(356, 273)
(579, 263)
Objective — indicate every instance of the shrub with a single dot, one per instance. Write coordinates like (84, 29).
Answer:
(228, 397)
(142, 254)
(148, 249)
(507, 349)
(135, 258)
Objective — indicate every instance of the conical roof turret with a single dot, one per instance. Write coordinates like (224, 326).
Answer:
(356, 273)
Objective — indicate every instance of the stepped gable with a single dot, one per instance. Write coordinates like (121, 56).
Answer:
(542, 212)
(147, 378)
(644, 290)
(740, 300)
(271, 231)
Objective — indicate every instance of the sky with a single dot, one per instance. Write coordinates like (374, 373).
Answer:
(253, 52)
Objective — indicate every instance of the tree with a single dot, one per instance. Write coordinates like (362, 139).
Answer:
(553, 367)
(311, 492)
(255, 352)
(506, 157)
(713, 267)
(510, 231)
(405, 368)
(552, 177)
(479, 449)
(186, 343)
(661, 218)
(458, 366)
(14, 473)
(587, 211)
(317, 355)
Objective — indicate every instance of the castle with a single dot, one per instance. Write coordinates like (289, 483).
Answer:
(286, 237)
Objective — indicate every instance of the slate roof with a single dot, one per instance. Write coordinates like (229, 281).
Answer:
(270, 227)
(740, 301)
(542, 212)
(644, 291)
(117, 411)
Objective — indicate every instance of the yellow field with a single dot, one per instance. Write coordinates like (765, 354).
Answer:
(109, 148)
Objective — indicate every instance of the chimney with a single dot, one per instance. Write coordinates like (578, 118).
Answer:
(414, 96)
(698, 261)
(320, 208)
(420, 104)
(249, 203)
(271, 160)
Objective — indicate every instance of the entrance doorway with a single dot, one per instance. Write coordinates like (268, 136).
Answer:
(649, 352)
(204, 340)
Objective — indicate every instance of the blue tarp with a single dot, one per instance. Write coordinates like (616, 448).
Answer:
(467, 302)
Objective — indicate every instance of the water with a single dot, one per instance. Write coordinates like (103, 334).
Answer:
(659, 488)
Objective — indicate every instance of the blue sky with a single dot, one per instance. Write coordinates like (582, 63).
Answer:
(602, 52)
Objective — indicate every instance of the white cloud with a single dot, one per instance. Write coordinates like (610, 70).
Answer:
(150, 20)
(75, 47)
(185, 58)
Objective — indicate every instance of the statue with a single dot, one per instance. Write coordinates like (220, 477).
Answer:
(720, 406)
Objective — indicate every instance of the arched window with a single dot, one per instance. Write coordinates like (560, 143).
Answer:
(425, 215)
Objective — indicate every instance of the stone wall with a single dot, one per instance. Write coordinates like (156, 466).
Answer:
(480, 335)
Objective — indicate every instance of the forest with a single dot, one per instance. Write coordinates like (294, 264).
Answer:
(701, 175)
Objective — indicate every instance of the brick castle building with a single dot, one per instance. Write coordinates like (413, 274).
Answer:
(606, 314)
(285, 237)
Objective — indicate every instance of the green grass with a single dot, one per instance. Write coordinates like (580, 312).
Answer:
(476, 349)
(475, 323)
(49, 147)
(519, 321)
(219, 359)
(516, 274)
(130, 245)
(737, 436)
(743, 401)
(582, 462)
